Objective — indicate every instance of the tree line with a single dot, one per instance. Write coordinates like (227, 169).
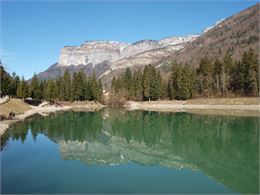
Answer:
(212, 78)
(65, 88)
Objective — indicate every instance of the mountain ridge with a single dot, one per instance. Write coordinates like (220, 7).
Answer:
(233, 35)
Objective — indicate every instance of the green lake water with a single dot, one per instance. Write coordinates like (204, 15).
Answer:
(133, 152)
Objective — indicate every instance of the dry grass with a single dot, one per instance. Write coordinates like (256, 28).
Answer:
(81, 104)
(224, 101)
(13, 105)
(208, 101)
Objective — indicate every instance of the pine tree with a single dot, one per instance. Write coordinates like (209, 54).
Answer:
(136, 92)
(128, 79)
(6, 81)
(42, 88)
(94, 87)
(225, 69)
(49, 90)
(128, 83)
(23, 89)
(192, 80)
(164, 90)
(88, 90)
(81, 85)
(216, 73)
(237, 78)
(139, 85)
(62, 88)
(67, 85)
(35, 90)
(74, 91)
(147, 82)
(12, 88)
(251, 73)
(250, 69)
(55, 95)
(180, 82)
(155, 84)
(171, 91)
(100, 91)
(133, 89)
(204, 75)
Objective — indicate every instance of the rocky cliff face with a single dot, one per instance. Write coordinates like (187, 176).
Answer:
(102, 57)
(234, 35)
(91, 52)
(95, 52)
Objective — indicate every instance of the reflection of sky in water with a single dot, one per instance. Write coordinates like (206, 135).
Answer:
(40, 165)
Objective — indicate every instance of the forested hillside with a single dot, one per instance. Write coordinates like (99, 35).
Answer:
(233, 35)
(213, 78)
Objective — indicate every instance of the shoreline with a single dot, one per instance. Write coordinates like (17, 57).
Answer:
(232, 106)
(45, 111)
(192, 106)
(183, 106)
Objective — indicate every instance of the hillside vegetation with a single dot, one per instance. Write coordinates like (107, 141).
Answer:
(212, 78)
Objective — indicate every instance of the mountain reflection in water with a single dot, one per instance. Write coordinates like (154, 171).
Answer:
(224, 148)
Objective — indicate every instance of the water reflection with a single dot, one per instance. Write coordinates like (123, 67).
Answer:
(225, 148)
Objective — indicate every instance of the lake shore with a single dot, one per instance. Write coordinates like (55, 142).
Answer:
(223, 106)
(46, 110)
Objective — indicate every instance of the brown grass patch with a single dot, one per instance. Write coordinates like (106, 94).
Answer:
(13, 105)
(224, 101)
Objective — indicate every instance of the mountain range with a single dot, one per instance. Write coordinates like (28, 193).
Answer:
(232, 35)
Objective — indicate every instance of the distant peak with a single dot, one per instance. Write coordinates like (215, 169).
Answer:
(145, 41)
(93, 42)
(210, 27)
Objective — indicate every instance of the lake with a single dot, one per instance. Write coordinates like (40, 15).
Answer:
(118, 151)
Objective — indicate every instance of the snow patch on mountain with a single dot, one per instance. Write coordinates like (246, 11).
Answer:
(210, 27)
(95, 52)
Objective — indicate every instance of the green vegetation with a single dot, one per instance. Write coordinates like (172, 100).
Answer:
(23, 89)
(65, 88)
(212, 78)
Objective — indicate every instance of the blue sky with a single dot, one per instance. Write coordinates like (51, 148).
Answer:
(33, 33)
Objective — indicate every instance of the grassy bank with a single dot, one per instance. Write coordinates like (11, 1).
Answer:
(13, 105)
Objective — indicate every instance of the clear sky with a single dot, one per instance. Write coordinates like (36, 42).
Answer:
(33, 33)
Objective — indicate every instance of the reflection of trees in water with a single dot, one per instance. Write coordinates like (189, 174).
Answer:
(225, 148)
(221, 146)
(67, 126)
